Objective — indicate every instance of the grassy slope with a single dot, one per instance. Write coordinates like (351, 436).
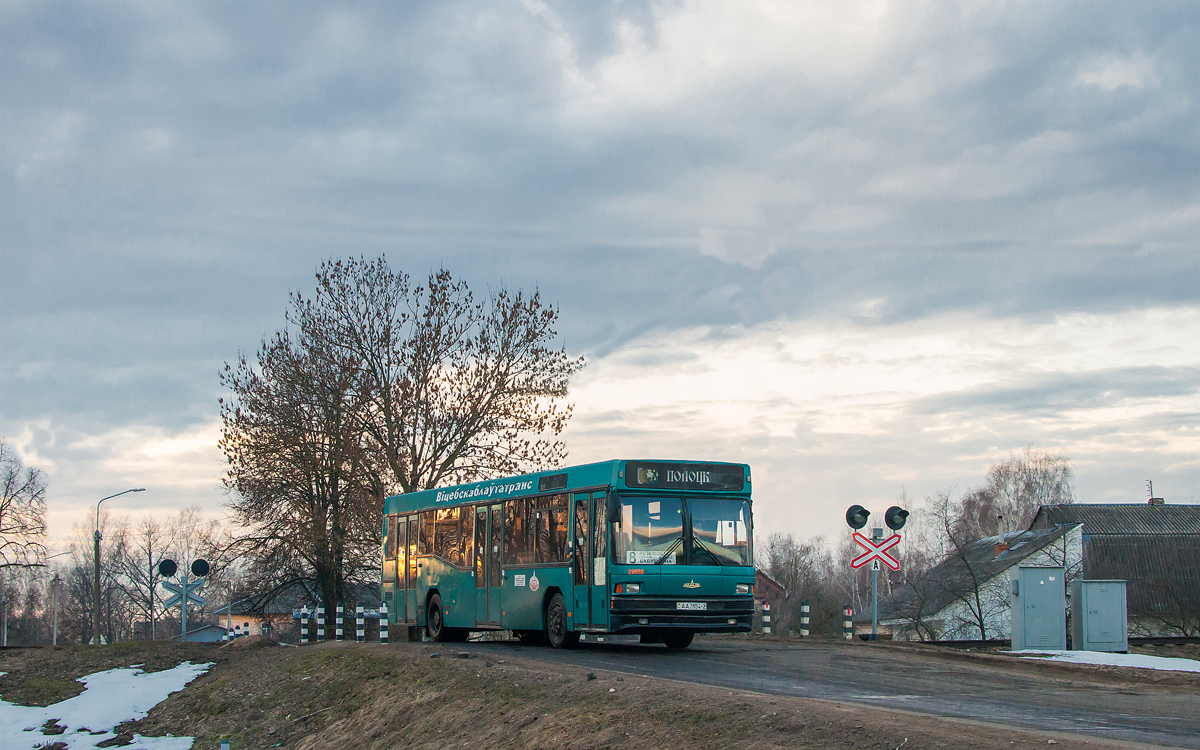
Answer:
(366, 695)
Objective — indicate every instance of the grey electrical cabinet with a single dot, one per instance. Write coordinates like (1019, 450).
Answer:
(1039, 608)
(1099, 619)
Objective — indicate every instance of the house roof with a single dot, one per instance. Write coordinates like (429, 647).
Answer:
(938, 588)
(1122, 518)
(297, 595)
(1156, 548)
(1163, 571)
(765, 586)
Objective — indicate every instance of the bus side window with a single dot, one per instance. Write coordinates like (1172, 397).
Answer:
(494, 572)
(466, 537)
(428, 524)
(446, 535)
(413, 526)
(514, 532)
(400, 550)
(554, 525)
(481, 514)
(600, 527)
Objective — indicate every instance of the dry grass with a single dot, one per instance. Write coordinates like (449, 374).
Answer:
(352, 695)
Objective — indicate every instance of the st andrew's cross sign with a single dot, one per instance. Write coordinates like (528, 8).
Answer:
(876, 551)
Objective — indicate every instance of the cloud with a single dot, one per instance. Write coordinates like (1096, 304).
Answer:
(1109, 73)
(178, 469)
(892, 176)
(835, 413)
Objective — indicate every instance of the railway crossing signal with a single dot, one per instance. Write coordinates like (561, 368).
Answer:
(895, 517)
(193, 594)
(856, 516)
(876, 549)
(185, 592)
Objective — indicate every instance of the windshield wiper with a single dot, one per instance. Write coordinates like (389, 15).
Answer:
(696, 543)
(669, 550)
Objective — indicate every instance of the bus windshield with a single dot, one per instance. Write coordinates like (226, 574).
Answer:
(651, 531)
(720, 531)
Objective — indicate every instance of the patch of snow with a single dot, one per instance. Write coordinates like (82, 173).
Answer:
(109, 699)
(1140, 661)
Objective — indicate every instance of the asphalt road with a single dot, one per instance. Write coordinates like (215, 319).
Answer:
(880, 676)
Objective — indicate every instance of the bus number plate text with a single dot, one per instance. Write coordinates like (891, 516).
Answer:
(691, 605)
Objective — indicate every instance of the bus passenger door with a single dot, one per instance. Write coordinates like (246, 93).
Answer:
(410, 593)
(599, 560)
(581, 556)
(398, 564)
(388, 577)
(494, 565)
(481, 559)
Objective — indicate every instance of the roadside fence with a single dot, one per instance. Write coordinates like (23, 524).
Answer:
(348, 615)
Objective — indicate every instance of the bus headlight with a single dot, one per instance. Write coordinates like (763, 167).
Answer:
(633, 588)
(744, 588)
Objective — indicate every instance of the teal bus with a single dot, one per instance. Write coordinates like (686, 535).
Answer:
(660, 549)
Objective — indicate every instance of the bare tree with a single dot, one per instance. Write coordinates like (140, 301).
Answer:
(380, 385)
(963, 578)
(803, 569)
(140, 569)
(183, 538)
(1014, 490)
(297, 467)
(22, 511)
(456, 390)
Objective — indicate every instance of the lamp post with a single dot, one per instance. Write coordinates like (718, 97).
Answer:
(55, 593)
(96, 540)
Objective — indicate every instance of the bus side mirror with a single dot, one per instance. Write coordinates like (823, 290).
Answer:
(613, 515)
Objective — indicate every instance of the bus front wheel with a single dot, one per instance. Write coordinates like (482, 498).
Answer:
(678, 639)
(556, 624)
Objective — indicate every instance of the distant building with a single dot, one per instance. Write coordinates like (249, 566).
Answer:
(276, 612)
(1154, 547)
(202, 634)
(966, 597)
(766, 590)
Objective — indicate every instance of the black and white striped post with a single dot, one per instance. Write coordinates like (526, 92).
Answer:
(304, 624)
(848, 623)
(383, 622)
(237, 632)
(804, 619)
(766, 627)
(321, 622)
(340, 616)
(360, 625)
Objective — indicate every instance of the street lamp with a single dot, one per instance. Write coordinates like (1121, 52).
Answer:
(55, 594)
(96, 540)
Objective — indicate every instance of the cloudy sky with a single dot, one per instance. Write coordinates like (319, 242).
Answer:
(867, 247)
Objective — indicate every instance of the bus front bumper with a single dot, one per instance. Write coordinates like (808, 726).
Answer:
(635, 614)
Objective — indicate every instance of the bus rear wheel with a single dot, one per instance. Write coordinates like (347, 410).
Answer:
(678, 639)
(435, 624)
(556, 624)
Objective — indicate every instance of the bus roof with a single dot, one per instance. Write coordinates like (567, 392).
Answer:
(644, 475)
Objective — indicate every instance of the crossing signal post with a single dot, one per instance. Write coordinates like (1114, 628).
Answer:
(876, 549)
(184, 591)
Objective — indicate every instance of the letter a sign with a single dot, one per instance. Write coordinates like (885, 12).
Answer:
(876, 551)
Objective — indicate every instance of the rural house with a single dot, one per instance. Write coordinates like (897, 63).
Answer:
(1154, 547)
(277, 612)
(966, 596)
(766, 590)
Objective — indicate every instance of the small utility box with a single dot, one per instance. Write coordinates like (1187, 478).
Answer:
(1039, 608)
(1099, 619)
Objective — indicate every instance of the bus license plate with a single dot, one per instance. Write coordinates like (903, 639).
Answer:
(691, 605)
